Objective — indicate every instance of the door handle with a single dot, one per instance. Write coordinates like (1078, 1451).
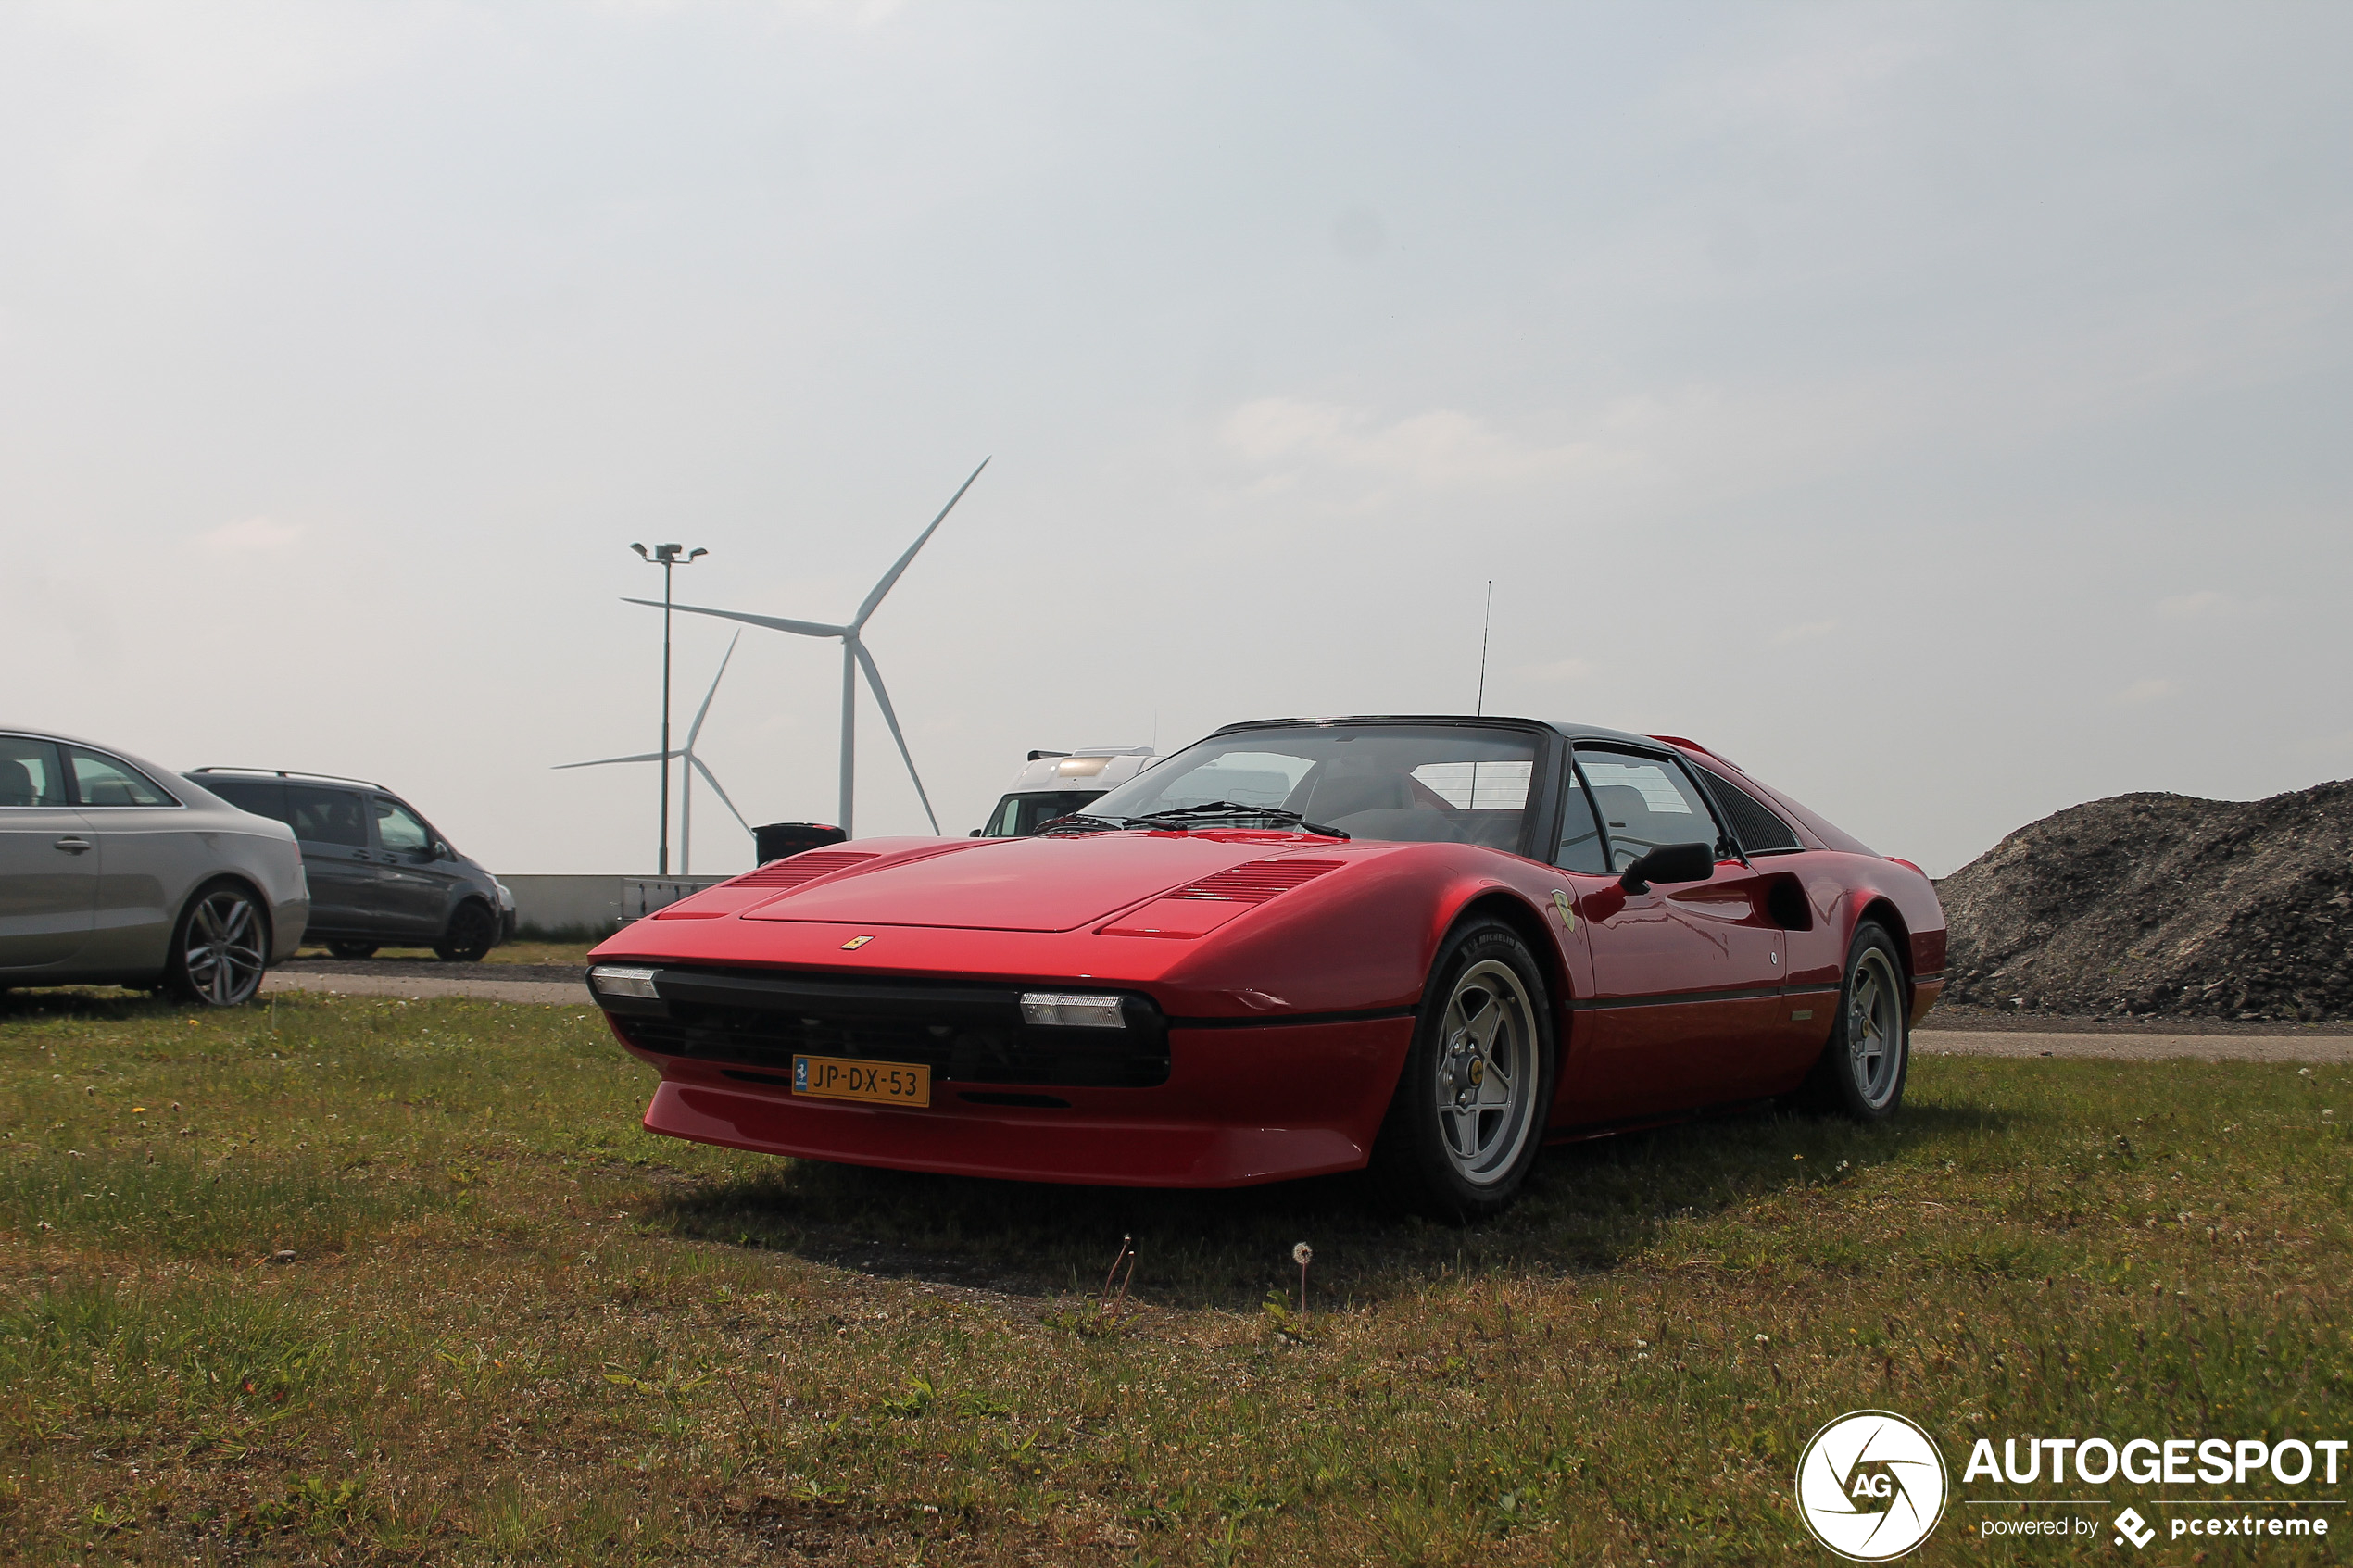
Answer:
(74, 845)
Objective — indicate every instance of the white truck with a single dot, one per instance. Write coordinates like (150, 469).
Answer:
(1055, 783)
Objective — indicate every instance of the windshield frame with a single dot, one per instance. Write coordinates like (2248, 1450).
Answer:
(1537, 820)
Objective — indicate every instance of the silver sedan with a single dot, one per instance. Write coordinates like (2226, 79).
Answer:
(109, 875)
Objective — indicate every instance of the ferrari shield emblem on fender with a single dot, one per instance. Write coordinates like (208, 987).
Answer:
(1560, 902)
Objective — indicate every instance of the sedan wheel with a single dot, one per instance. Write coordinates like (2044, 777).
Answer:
(1468, 1118)
(221, 949)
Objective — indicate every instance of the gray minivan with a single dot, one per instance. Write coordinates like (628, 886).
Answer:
(380, 875)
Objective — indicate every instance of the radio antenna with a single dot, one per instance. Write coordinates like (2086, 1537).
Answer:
(1485, 621)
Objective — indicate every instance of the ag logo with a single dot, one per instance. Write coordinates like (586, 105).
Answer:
(1870, 1486)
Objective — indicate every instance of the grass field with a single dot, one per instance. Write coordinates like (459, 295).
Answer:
(515, 1328)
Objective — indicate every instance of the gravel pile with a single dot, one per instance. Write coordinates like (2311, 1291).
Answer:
(2163, 904)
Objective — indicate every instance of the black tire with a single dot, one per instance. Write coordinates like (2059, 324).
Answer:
(1862, 1069)
(220, 947)
(1450, 1148)
(474, 931)
(352, 949)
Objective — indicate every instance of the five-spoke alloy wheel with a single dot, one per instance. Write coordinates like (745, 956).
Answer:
(1469, 1117)
(1862, 1069)
(220, 947)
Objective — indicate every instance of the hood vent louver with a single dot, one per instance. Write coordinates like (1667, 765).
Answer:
(1254, 882)
(807, 865)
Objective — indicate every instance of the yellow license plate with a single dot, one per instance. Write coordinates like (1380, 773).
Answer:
(885, 1083)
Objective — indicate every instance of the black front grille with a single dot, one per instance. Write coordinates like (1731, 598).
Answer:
(964, 1034)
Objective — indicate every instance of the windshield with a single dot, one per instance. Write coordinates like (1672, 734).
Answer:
(1443, 783)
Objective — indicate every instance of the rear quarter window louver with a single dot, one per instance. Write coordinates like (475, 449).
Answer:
(1761, 831)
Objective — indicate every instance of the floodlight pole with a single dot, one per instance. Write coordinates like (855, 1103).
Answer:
(666, 557)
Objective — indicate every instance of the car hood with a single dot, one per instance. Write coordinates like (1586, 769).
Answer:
(1057, 883)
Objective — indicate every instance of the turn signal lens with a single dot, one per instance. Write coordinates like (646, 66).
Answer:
(1070, 1012)
(612, 980)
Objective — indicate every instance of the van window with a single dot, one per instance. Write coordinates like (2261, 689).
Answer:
(1018, 816)
(327, 816)
(399, 831)
(264, 798)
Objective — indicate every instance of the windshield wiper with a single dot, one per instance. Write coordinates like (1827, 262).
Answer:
(1082, 822)
(1221, 810)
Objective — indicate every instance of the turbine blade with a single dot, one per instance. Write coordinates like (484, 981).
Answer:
(881, 699)
(713, 780)
(773, 622)
(602, 761)
(696, 728)
(859, 620)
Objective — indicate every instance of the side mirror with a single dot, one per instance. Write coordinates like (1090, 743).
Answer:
(441, 851)
(1669, 862)
(974, 834)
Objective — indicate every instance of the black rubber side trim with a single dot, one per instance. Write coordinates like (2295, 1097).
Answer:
(1292, 1020)
(1677, 999)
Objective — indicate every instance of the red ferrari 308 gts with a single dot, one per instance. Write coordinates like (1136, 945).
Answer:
(1430, 946)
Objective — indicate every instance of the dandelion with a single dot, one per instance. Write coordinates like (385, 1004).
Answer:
(1798, 1157)
(1303, 1255)
(1764, 1339)
(2304, 1072)
(1842, 1164)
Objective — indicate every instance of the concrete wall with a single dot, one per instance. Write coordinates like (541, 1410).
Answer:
(595, 903)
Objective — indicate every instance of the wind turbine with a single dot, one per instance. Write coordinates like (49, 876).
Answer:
(854, 658)
(694, 765)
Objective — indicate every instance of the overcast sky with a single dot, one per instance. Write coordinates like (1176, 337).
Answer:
(1942, 410)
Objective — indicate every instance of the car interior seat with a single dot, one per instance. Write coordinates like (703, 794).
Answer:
(16, 783)
(1342, 790)
(1627, 816)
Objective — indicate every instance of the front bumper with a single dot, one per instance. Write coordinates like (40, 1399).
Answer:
(1189, 1103)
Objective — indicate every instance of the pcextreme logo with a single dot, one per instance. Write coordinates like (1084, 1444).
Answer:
(1870, 1486)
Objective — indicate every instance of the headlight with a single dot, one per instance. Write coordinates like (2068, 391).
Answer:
(506, 897)
(613, 980)
(1071, 1011)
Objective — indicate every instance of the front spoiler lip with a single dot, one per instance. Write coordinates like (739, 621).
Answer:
(1050, 1147)
(1235, 1111)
